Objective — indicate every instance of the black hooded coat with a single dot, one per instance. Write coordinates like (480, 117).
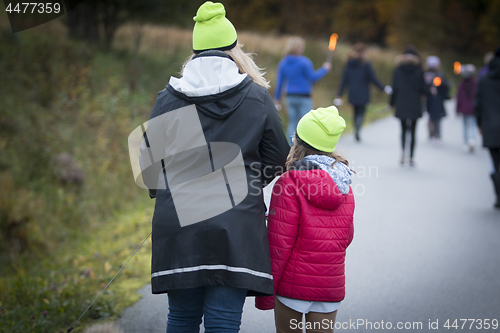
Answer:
(230, 249)
(487, 105)
(408, 86)
(357, 76)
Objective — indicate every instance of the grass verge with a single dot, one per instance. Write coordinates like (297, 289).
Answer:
(48, 295)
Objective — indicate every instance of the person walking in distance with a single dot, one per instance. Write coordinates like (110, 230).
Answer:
(437, 91)
(357, 76)
(296, 76)
(487, 111)
(465, 104)
(487, 59)
(209, 267)
(408, 86)
(310, 226)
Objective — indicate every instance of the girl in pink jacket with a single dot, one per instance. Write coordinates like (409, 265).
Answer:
(465, 104)
(310, 226)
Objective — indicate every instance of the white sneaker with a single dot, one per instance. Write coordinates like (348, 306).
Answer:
(471, 145)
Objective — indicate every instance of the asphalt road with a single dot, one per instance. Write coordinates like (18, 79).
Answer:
(426, 247)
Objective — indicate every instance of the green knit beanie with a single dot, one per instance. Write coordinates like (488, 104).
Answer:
(212, 30)
(321, 128)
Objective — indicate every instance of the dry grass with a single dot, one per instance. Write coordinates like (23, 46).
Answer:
(377, 54)
(167, 39)
(155, 39)
(259, 43)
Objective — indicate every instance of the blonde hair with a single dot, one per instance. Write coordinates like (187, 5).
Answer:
(298, 152)
(245, 64)
(294, 46)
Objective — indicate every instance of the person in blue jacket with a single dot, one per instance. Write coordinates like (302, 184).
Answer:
(357, 76)
(296, 75)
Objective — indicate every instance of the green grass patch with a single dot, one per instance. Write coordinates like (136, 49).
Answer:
(48, 295)
(62, 237)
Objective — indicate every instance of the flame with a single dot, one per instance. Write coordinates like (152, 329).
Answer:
(333, 42)
(437, 81)
(457, 67)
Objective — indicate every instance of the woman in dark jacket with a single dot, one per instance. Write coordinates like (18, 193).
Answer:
(357, 76)
(408, 87)
(216, 139)
(487, 111)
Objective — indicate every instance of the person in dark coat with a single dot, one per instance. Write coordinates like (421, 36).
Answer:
(465, 104)
(408, 86)
(221, 114)
(437, 92)
(357, 76)
(487, 111)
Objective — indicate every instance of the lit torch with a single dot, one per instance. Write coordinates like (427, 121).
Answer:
(437, 81)
(331, 47)
(457, 67)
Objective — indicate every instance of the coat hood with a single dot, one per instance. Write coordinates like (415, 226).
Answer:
(355, 58)
(321, 184)
(494, 68)
(408, 62)
(407, 58)
(354, 62)
(212, 81)
(292, 59)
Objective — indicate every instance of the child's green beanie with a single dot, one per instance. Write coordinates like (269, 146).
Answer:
(212, 30)
(321, 128)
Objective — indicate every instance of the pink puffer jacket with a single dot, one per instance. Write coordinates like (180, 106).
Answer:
(310, 226)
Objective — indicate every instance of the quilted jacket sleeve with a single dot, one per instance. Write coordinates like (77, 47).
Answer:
(283, 224)
(264, 302)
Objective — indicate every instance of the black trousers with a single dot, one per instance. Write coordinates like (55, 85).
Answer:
(408, 125)
(495, 156)
(359, 116)
(435, 128)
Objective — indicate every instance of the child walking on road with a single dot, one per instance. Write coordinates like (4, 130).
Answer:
(437, 92)
(465, 104)
(357, 76)
(310, 226)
